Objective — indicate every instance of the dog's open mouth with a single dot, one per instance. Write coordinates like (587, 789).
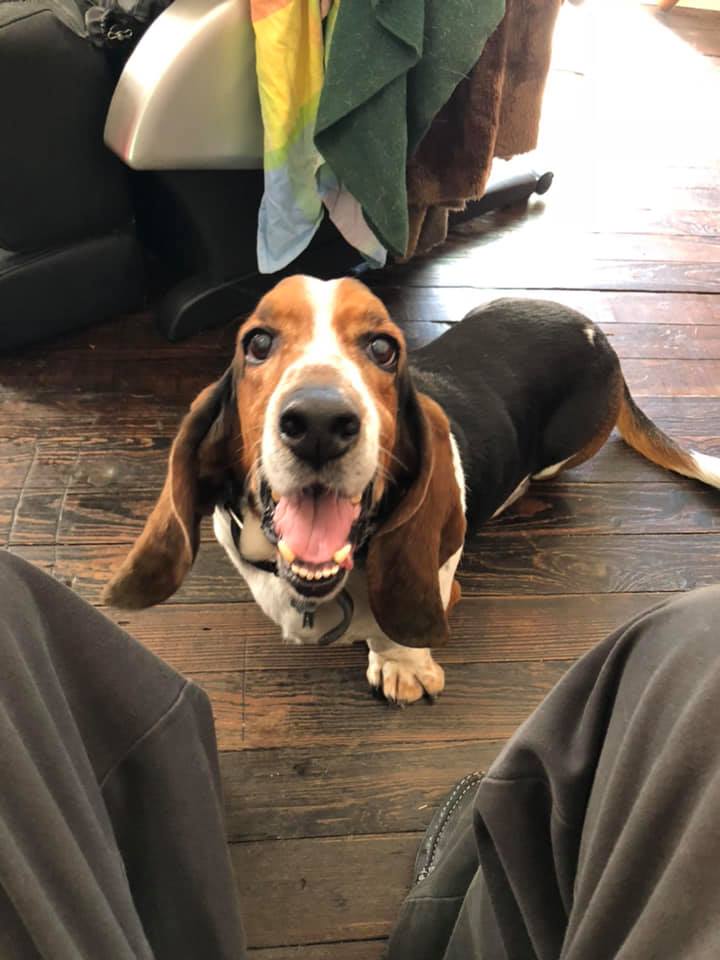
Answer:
(316, 532)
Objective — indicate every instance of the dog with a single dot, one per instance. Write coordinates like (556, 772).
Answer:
(342, 480)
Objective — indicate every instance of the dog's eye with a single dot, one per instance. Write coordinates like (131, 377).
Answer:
(383, 351)
(258, 346)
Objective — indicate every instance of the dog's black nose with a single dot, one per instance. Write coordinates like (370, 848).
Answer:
(319, 424)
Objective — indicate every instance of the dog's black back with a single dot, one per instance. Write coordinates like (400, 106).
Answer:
(524, 384)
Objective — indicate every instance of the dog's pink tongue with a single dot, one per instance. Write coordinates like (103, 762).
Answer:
(315, 527)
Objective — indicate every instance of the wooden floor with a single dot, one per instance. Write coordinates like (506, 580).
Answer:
(327, 789)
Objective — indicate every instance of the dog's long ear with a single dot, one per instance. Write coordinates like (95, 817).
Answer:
(197, 467)
(425, 528)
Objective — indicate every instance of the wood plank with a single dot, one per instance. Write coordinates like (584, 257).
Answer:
(87, 415)
(92, 517)
(449, 304)
(83, 463)
(597, 563)
(697, 27)
(278, 794)
(677, 342)
(617, 463)
(294, 891)
(215, 638)
(333, 707)
(16, 459)
(521, 563)
(642, 341)
(128, 463)
(673, 378)
(635, 207)
(172, 380)
(512, 251)
(556, 507)
(658, 194)
(7, 516)
(578, 274)
(135, 335)
(688, 170)
(55, 467)
(354, 950)
(521, 233)
(201, 637)
(117, 517)
(629, 218)
(52, 464)
(695, 417)
(171, 373)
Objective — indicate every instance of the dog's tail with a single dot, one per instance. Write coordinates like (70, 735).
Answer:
(639, 432)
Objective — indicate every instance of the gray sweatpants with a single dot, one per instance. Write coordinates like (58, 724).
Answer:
(112, 844)
(594, 836)
(596, 833)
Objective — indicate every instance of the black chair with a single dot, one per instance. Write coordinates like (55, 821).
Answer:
(68, 250)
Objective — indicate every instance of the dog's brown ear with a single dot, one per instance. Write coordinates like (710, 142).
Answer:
(426, 527)
(197, 467)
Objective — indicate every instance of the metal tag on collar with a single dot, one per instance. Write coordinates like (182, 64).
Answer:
(307, 608)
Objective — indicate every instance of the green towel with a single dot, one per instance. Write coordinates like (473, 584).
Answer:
(392, 65)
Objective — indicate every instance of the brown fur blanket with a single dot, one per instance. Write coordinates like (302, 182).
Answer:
(494, 112)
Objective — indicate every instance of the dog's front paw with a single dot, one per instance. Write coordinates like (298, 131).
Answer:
(405, 677)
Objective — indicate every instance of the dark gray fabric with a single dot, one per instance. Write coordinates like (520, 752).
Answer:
(59, 183)
(112, 842)
(596, 833)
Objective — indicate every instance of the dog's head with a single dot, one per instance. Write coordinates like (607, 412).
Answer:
(317, 422)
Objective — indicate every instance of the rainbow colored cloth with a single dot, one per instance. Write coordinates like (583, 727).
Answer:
(291, 44)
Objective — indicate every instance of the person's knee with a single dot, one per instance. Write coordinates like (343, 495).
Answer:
(12, 569)
(698, 610)
(684, 632)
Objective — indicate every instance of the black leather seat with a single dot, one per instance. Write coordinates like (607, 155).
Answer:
(68, 251)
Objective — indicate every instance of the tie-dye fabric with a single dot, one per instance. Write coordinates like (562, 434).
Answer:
(290, 42)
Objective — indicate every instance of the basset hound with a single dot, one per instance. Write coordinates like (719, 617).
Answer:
(341, 479)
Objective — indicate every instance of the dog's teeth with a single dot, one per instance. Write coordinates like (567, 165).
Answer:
(315, 574)
(342, 554)
(275, 495)
(285, 551)
(301, 571)
(356, 500)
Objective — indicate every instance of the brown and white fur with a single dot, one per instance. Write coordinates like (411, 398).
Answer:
(516, 390)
